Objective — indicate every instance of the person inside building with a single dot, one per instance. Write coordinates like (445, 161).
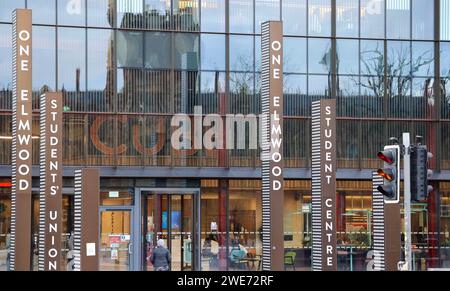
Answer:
(160, 257)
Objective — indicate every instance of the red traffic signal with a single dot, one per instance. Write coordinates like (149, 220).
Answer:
(387, 156)
(390, 173)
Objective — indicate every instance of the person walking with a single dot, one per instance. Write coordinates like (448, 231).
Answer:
(160, 258)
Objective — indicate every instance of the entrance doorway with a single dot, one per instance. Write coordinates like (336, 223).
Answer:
(116, 239)
(172, 215)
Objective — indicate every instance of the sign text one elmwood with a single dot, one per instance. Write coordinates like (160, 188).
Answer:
(21, 142)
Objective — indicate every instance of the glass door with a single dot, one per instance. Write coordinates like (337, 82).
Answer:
(172, 218)
(116, 239)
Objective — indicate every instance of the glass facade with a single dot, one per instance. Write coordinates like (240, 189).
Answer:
(125, 67)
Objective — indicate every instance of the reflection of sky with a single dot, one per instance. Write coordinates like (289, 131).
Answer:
(5, 56)
(44, 58)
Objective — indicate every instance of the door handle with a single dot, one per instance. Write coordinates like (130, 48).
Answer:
(130, 248)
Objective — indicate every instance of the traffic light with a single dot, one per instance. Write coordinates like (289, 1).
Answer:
(391, 173)
(420, 173)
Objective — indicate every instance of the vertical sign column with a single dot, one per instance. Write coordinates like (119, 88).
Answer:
(86, 220)
(51, 182)
(272, 146)
(378, 223)
(323, 174)
(386, 230)
(21, 142)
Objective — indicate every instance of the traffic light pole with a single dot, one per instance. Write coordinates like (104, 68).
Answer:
(407, 265)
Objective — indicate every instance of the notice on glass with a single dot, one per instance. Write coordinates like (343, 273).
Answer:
(90, 249)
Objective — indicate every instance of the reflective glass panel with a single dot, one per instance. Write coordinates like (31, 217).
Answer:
(129, 48)
(213, 15)
(72, 67)
(157, 50)
(241, 53)
(186, 51)
(445, 19)
(347, 56)
(294, 55)
(372, 57)
(422, 19)
(157, 14)
(372, 18)
(241, 16)
(398, 17)
(319, 17)
(319, 56)
(44, 11)
(445, 59)
(100, 13)
(422, 59)
(347, 18)
(212, 52)
(5, 66)
(44, 61)
(72, 12)
(100, 70)
(294, 17)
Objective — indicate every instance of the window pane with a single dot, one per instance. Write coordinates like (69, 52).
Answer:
(423, 59)
(319, 17)
(213, 52)
(213, 15)
(241, 53)
(318, 87)
(43, 11)
(129, 49)
(99, 13)
(186, 51)
(185, 15)
(347, 18)
(294, 17)
(44, 61)
(294, 55)
(295, 95)
(399, 58)
(422, 19)
(7, 7)
(445, 19)
(245, 222)
(129, 13)
(157, 14)
(5, 66)
(100, 70)
(348, 87)
(157, 50)
(347, 56)
(348, 90)
(266, 10)
(372, 58)
(398, 19)
(72, 66)
(372, 18)
(212, 87)
(445, 59)
(242, 89)
(257, 53)
(72, 12)
(319, 56)
(241, 16)
(372, 86)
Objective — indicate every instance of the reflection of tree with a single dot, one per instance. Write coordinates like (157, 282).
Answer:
(242, 82)
(399, 71)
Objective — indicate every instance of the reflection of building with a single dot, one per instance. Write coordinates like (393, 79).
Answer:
(146, 60)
